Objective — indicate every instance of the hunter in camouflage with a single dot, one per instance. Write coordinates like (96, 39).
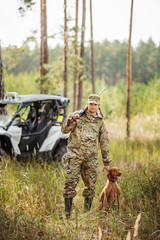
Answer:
(82, 154)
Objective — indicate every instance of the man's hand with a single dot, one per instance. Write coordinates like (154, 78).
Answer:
(106, 168)
(73, 120)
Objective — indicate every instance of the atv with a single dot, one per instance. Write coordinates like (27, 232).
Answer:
(35, 126)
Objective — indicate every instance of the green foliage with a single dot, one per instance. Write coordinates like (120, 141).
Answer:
(23, 83)
(110, 59)
(146, 61)
(11, 57)
(54, 78)
(25, 5)
(145, 99)
(17, 59)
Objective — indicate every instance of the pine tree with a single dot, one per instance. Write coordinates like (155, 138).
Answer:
(129, 74)
(2, 88)
(44, 47)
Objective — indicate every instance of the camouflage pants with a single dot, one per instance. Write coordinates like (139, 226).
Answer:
(87, 169)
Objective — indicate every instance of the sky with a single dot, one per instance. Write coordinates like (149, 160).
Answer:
(110, 21)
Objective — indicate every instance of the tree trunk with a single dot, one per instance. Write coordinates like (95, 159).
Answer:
(75, 84)
(44, 47)
(129, 74)
(92, 51)
(82, 55)
(65, 50)
(2, 88)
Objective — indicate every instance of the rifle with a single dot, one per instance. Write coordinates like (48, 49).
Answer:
(82, 111)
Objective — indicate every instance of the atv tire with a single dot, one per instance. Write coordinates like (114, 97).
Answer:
(2, 154)
(58, 156)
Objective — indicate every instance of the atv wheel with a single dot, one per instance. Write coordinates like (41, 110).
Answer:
(2, 154)
(58, 156)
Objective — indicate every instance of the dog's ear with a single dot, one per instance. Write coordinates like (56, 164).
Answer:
(109, 172)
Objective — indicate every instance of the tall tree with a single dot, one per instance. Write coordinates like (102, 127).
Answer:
(75, 84)
(129, 74)
(65, 50)
(44, 47)
(82, 54)
(2, 88)
(92, 51)
(24, 7)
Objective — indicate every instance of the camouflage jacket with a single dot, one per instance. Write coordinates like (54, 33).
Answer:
(86, 134)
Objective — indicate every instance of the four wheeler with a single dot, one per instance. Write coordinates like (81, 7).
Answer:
(35, 126)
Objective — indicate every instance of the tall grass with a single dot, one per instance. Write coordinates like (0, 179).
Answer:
(31, 198)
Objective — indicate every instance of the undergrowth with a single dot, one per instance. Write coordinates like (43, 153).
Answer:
(31, 198)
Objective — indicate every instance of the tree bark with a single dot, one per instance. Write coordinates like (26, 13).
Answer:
(129, 74)
(2, 88)
(65, 50)
(44, 47)
(92, 51)
(82, 54)
(75, 84)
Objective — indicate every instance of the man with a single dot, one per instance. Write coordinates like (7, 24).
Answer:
(82, 154)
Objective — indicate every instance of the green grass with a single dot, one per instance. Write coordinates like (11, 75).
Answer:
(31, 197)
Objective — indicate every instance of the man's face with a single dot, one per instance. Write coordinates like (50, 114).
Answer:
(92, 108)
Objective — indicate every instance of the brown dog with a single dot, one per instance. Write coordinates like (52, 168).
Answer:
(111, 192)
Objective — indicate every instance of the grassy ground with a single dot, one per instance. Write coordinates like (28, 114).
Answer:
(31, 202)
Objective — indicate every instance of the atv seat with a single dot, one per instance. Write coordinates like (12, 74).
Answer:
(41, 125)
(32, 120)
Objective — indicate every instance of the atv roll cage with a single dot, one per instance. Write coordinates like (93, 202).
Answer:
(40, 109)
(35, 126)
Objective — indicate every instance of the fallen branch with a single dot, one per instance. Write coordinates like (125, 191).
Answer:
(136, 227)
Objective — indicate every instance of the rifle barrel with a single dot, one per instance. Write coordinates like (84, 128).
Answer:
(102, 91)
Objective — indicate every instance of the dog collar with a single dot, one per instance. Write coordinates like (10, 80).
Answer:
(111, 181)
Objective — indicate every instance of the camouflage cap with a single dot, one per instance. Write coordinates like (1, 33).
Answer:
(94, 98)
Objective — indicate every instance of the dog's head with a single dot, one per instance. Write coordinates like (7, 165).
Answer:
(114, 174)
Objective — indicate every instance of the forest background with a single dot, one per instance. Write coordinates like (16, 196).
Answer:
(22, 65)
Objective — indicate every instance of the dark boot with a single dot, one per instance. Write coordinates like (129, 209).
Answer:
(68, 206)
(87, 204)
